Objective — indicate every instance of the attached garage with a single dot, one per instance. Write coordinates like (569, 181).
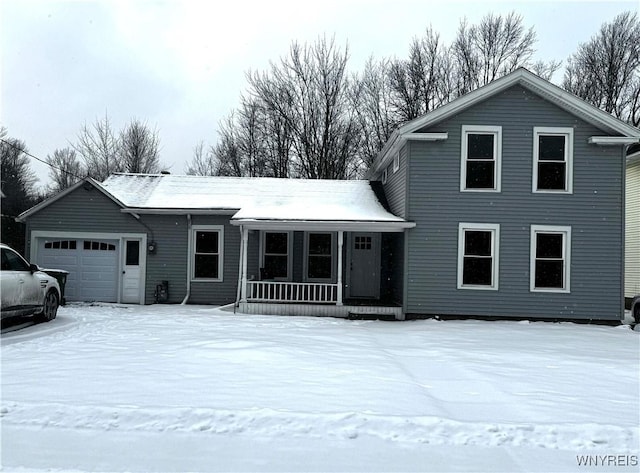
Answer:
(103, 267)
(92, 266)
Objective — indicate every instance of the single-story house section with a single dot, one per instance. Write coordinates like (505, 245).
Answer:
(270, 245)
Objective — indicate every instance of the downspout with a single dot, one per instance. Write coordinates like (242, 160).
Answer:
(189, 245)
(240, 269)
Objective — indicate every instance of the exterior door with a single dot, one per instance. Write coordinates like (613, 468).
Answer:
(364, 266)
(131, 272)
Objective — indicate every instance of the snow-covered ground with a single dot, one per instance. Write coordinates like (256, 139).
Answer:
(193, 388)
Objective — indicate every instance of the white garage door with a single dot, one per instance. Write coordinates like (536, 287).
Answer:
(92, 266)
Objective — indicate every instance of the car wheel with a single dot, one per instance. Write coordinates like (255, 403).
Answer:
(636, 312)
(51, 303)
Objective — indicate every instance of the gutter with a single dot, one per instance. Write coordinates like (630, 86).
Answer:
(189, 246)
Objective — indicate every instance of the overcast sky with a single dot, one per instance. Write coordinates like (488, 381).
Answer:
(180, 65)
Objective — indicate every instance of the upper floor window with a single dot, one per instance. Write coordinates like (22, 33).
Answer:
(384, 175)
(550, 258)
(207, 252)
(552, 159)
(478, 255)
(396, 162)
(481, 158)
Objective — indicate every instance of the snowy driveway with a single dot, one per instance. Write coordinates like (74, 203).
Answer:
(208, 374)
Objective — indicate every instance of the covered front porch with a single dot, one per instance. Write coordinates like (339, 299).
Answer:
(321, 269)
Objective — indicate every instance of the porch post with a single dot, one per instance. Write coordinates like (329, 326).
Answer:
(243, 255)
(340, 242)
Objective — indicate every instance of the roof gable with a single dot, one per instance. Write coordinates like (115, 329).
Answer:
(87, 181)
(526, 79)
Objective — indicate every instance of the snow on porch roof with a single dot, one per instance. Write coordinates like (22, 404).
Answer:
(252, 199)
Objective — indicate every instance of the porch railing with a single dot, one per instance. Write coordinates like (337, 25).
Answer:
(275, 291)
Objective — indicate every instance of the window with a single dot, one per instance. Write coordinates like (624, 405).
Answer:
(550, 258)
(61, 245)
(132, 254)
(275, 258)
(11, 261)
(362, 243)
(207, 252)
(319, 256)
(552, 159)
(478, 255)
(396, 162)
(98, 246)
(481, 158)
(384, 175)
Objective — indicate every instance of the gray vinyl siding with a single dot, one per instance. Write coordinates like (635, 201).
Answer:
(82, 211)
(225, 291)
(395, 189)
(594, 212)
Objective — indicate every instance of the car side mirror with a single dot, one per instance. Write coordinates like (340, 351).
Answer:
(33, 267)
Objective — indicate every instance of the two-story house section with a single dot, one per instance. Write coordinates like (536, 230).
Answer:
(517, 193)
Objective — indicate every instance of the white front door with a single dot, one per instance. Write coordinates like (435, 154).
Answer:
(364, 266)
(131, 272)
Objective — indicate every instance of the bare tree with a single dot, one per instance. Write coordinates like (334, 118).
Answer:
(496, 46)
(64, 169)
(18, 179)
(309, 91)
(204, 162)
(139, 148)
(605, 70)
(372, 101)
(99, 148)
(227, 151)
(416, 83)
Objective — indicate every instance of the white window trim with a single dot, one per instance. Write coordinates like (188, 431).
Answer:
(396, 162)
(263, 234)
(305, 269)
(192, 251)
(496, 131)
(568, 150)
(494, 228)
(384, 175)
(566, 254)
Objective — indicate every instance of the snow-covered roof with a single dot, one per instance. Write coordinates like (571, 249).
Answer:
(252, 199)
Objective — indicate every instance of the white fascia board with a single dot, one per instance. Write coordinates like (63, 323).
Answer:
(425, 136)
(165, 211)
(613, 140)
(399, 143)
(307, 225)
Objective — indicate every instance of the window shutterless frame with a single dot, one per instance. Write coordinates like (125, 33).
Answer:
(207, 253)
(396, 162)
(478, 256)
(269, 250)
(481, 158)
(550, 259)
(552, 160)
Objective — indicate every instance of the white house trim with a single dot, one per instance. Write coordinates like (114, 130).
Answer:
(567, 132)
(566, 256)
(494, 228)
(192, 254)
(496, 131)
(612, 140)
